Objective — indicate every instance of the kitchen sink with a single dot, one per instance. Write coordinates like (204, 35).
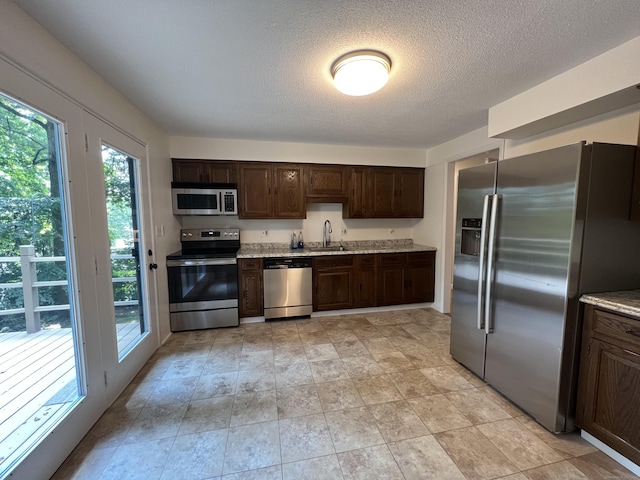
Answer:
(331, 248)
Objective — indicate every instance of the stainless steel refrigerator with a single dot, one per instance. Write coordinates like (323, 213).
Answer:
(533, 233)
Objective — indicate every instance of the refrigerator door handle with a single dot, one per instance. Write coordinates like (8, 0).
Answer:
(488, 326)
(481, 262)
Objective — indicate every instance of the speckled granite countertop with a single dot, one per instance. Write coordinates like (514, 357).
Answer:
(626, 302)
(259, 250)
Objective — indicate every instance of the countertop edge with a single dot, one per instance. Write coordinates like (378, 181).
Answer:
(285, 252)
(626, 302)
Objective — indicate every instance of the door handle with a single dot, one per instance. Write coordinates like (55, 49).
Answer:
(153, 266)
(488, 326)
(481, 262)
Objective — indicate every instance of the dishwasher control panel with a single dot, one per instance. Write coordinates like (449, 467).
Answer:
(287, 262)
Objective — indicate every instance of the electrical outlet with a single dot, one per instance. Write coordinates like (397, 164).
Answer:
(159, 230)
(264, 233)
(344, 231)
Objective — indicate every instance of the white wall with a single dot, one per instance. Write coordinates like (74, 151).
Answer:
(279, 231)
(620, 126)
(602, 84)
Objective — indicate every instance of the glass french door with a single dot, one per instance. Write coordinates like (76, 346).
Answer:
(50, 358)
(121, 202)
(124, 252)
(40, 354)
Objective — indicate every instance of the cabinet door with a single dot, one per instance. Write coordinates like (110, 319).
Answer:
(365, 288)
(220, 172)
(382, 192)
(610, 399)
(409, 192)
(188, 171)
(421, 277)
(254, 190)
(392, 281)
(250, 289)
(327, 181)
(357, 206)
(333, 282)
(289, 198)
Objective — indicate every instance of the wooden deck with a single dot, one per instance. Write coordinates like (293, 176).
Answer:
(38, 384)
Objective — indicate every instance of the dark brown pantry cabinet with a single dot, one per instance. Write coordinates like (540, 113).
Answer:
(250, 290)
(609, 380)
(268, 190)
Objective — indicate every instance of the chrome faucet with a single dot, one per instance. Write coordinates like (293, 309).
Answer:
(326, 233)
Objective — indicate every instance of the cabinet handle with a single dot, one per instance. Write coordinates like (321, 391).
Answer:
(633, 332)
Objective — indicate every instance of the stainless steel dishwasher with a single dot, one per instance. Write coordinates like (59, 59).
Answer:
(287, 287)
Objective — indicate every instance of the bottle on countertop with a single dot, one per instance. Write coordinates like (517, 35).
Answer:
(294, 241)
(300, 240)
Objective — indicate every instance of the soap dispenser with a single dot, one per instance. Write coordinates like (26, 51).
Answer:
(294, 241)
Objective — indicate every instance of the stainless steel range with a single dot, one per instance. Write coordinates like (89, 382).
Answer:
(203, 280)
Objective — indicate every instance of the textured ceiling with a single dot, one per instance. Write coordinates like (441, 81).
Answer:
(260, 69)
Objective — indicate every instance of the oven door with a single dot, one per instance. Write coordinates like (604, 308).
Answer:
(203, 293)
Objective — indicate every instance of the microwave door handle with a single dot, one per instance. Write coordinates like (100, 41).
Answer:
(220, 207)
(482, 270)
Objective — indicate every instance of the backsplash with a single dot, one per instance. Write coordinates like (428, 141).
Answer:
(279, 231)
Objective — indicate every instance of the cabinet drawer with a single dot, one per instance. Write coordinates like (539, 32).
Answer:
(333, 261)
(421, 257)
(385, 259)
(366, 260)
(613, 325)
(250, 263)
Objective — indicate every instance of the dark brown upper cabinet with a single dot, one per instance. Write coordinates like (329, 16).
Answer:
(385, 192)
(327, 183)
(267, 190)
(204, 171)
(282, 190)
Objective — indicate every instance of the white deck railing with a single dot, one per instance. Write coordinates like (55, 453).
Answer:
(30, 286)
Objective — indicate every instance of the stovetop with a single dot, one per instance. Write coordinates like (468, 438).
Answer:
(181, 255)
(207, 243)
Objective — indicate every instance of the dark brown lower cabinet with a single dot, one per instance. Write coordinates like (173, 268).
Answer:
(250, 291)
(609, 380)
(333, 282)
(365, 281)
(406, 278)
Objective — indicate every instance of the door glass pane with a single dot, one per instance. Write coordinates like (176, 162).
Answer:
(126, 247)
(39, 353)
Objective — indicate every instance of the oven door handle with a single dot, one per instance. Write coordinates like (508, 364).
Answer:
(207, 261)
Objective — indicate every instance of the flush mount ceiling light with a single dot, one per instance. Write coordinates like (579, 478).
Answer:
(361, 73)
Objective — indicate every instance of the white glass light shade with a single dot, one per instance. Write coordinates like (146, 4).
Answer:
(361, 73)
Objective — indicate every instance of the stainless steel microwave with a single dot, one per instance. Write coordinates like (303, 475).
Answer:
(204, 198)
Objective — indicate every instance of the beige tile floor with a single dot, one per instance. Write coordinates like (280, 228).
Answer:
(372, 396)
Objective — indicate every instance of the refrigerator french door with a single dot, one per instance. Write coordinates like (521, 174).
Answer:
(533, 234)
